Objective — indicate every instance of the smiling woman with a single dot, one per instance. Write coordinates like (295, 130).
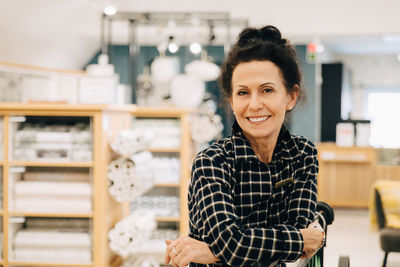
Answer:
(252, 196)
(259, 100)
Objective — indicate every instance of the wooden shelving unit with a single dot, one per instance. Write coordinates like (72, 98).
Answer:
(17, 263)
(184, 153)
(106, 121)
(52, 164)
(50, 215)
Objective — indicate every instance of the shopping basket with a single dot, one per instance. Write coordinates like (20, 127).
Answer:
(325, 217)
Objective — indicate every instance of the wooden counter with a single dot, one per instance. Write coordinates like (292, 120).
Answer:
(347, 173)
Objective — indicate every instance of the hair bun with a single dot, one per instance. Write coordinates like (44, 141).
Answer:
(268, 33)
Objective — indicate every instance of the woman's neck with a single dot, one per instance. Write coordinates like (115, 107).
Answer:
(263, 147)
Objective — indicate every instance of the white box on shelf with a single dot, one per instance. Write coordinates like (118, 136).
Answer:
(363, 132)
(98, 89)
(344, 134)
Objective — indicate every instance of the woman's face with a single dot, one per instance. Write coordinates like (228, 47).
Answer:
(259, 98)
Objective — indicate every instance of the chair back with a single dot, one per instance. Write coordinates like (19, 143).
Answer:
(380, 214)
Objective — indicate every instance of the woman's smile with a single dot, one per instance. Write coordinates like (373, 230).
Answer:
(258, 119)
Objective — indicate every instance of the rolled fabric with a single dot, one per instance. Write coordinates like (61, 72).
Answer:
(205, 128)
(61, 238)
(47, 188)
(46, 205)
(54, 255)
(129, 180)
(129, 142)
(130, 232)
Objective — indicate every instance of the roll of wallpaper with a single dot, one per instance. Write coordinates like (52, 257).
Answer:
(129, 180)
(130, 232)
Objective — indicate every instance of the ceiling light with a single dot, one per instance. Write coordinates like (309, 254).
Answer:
(195, 48)
(320, 48)
(110, 10)
(172, 46)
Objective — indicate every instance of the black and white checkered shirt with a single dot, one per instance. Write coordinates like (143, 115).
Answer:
(248, 212)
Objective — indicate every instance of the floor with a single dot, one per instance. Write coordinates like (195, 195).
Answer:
(349, 235)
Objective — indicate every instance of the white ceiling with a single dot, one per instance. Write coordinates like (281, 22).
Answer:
(66, 33)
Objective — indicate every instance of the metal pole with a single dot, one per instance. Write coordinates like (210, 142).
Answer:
(103, 43)
(133, 59)
(109, 39)
(227, 45)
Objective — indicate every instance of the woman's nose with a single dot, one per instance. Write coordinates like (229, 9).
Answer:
(255, 102)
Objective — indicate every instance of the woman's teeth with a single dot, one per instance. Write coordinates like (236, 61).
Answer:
(258, 119)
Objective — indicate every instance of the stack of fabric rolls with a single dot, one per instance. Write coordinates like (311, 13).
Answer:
(128, 234)
(52, 196)
(53, 240)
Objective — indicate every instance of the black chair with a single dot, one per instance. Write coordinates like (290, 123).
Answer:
(389, 237)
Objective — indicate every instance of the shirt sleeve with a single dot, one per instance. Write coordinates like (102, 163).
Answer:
(220, 227)
(303, 199)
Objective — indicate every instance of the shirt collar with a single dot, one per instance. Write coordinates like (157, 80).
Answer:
(285, 149)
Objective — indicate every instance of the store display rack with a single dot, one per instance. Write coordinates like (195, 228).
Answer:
(105, 121)
(185, 156)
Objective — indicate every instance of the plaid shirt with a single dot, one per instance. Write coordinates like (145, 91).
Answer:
(248, 212)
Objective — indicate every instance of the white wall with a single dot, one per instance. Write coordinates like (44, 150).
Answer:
(66, 33)
(370, 71)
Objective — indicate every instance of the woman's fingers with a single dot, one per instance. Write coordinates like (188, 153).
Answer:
(170, 252)
(167, 259)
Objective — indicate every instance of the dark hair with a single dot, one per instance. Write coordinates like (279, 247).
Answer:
(262, 44)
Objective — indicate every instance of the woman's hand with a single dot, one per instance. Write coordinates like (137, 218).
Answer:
(313, 237)
(186, 249)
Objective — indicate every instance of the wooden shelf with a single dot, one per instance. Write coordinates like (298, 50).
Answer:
(164, 112)
(50, 214)
(52, 164)
(26, 263)
(166, 185)
(165, 150)
(167, 219)
(105, 122)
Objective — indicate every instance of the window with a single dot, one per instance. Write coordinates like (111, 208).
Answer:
(383, 109)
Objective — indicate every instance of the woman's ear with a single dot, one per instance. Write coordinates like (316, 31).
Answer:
(293, 97)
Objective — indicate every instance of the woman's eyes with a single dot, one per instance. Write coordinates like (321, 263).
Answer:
(267, 90)
(263, 90)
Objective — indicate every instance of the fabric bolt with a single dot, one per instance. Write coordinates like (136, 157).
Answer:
(41, 188)
(38, 238)
(249, 212)
(52, 205)
(61, 255)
